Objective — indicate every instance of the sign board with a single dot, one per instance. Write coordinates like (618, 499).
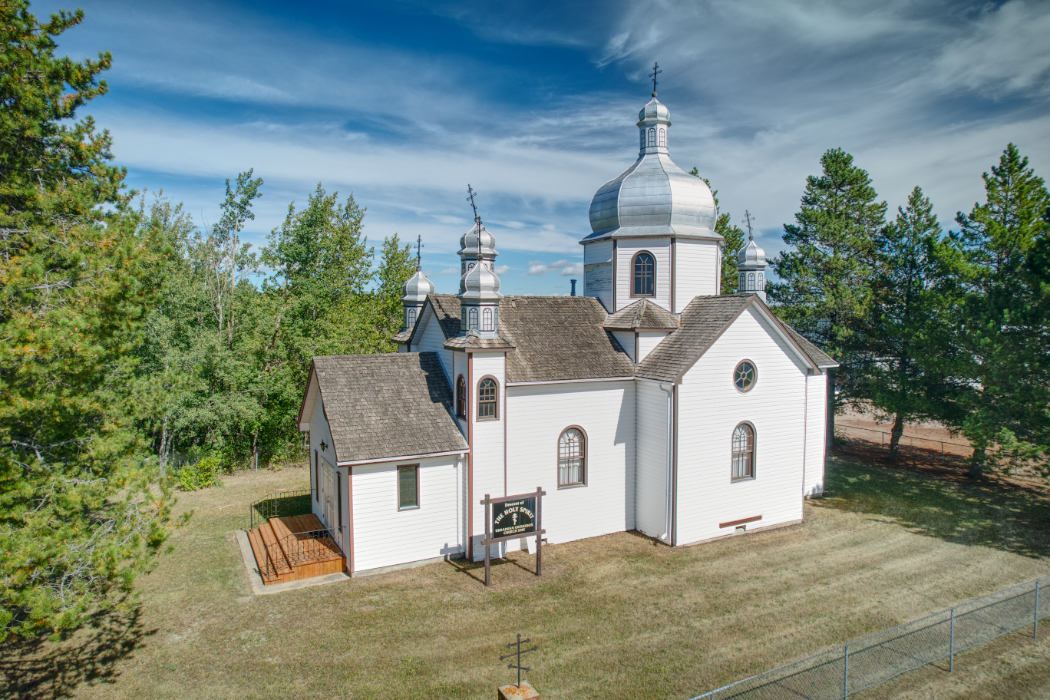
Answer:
(511, 518)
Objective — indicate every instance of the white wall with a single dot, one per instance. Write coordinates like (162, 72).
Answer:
(626, 340)
(386, 536)
(651, 459)
(625, 250)
(647, 341)
(816, 433)
(319, 432)
(431, 339)
(696, 270)
(710, 408)
(605, 410)
(487, 444)
(597, 271)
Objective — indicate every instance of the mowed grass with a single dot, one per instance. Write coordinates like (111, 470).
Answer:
(614, 617)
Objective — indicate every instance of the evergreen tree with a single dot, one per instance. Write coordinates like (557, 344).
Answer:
(1000, 347)
(825, 282)
(899, 369)
(78, 516)
(733, 240)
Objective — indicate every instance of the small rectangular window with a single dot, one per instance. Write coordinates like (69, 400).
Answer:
(408, 487)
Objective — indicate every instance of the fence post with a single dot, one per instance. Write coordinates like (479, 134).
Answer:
(951, 643)
(1035, 624)
(845, 672)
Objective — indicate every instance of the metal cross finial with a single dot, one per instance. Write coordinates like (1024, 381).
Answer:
(747, 219)
(419, 252)
(656, 72)
(477, 219)
(518, 652)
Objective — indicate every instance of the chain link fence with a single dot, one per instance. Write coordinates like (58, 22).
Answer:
(866, 662)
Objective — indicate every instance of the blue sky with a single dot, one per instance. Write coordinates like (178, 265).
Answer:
(534, 104)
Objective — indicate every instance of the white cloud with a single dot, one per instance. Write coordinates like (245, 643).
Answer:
(449, 271)
(572, 269)
(537, 268)
(502, 269)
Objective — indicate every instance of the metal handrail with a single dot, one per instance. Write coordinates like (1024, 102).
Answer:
(294, 548)
(271, 499)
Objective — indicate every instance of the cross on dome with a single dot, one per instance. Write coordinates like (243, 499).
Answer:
(656, 72)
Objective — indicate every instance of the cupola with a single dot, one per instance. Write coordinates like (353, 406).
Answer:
(415, 291)
(479, 286)
(751, 264)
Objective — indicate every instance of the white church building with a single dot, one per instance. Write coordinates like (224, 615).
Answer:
(650, 403)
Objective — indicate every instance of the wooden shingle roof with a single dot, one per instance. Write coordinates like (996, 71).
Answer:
(642, 315)
(387, 405)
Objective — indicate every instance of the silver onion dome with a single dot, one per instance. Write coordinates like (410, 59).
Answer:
(417, 288)
(751, 255)
(468, 244)
(480, 283)
(653, 197)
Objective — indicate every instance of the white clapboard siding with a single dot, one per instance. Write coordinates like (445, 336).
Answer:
(626, 341)
(431, 339)
(710, 408)
(386, 536)
(487, 444)
(647, 341)
(625, 251)
(816, 433)
(598, 252)
(696, 270)
(651, 459)
(319, 432)
(605, 411)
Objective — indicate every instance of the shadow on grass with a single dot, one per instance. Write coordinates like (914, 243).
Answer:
(941, 502)
(476, 569)
(38, 669)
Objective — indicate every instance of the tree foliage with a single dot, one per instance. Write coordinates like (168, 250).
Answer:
(79, 517)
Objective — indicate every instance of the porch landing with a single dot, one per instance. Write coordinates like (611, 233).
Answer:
(293, 548)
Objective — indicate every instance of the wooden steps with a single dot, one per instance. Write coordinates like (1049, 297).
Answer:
(282, 556)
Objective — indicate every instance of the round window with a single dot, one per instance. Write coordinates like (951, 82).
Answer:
(744, 375)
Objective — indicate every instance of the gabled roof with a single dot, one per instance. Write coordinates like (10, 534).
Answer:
(704, 319)
(559, 338)
(387, 405)
(643, 314)
(445, 308)
(822, 359)
(553, 338)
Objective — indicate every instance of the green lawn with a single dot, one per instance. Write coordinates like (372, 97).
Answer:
(614, 617)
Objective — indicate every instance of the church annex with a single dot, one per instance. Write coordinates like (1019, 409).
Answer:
(650, 403)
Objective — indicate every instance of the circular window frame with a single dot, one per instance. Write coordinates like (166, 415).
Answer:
(754, 381)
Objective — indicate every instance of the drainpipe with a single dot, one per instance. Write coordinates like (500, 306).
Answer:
(669, 486)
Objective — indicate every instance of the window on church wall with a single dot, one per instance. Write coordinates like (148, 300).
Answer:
(751, 280)
(743, 452)
(486, 320)
(663, 137)
(745, 375)
(472, 319)
(641, 135)
(408, 487)
(487, 399)
(572, 458)
(461, 397)
(410, 320)
(743, 281)
(643, 275)
(652, 137)
(761, 281)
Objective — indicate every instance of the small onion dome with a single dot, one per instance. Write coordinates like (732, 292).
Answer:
(468, 244)
(751, 255)
(417, 288)
(654, 112)
(480, 283)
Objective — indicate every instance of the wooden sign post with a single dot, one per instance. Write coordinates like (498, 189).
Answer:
(512, 518)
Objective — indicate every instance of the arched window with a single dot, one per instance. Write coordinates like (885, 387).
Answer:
(461, 397)
(744, 452)
(751, 280)
(472, 319)
(761, 280)
(487, 399)
(743, 282)
(663, 137)
(572, 457)
(652, 137)
(641, 135)
(410, 320)
(486, 319)
(643, 273)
